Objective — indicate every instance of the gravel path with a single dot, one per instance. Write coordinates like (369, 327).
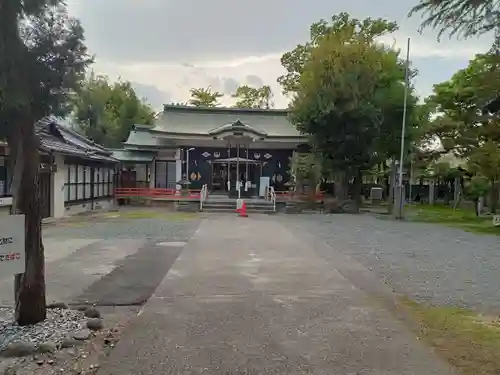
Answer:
(169, 230)
(433, 263)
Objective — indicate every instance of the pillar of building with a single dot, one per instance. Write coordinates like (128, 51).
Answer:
(178, 167)
(57, 187)
(152, 174)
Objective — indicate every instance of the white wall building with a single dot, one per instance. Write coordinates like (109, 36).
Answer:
(76, 174)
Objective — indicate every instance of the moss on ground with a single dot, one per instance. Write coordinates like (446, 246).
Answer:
(469, 341)
(458, 218)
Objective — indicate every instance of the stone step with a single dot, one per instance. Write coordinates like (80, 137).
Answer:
(249, 210)
(230, 206)
(233, 206)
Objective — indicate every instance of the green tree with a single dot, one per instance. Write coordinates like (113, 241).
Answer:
(459, 17)
(485, 161)
(251, 97)
(307, 170)
(349, 95)
(461, 125)
(106, 112)
(204, 97)
(42, 59)
(475, 189)
(351, 28)
(460, 122)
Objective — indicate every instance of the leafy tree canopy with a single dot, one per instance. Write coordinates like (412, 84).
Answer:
(351, 28)
(204, 97)
(349, 95)
(459, 17)
(251, 97)
(55, 56)
(106, 112)
(460, 121)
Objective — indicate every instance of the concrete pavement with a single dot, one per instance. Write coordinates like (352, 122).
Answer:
(248, 296)
(106, 261)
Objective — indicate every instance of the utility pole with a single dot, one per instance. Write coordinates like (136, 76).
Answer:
(400, 194)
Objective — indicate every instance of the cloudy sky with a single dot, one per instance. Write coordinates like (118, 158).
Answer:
(166, 47)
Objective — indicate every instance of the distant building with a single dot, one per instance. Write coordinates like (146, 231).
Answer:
(76, 174)
(233, 151)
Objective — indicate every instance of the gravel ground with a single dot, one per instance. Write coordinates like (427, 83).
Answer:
(433, 263)
(60, 323)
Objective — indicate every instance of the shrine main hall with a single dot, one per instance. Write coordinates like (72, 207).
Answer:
(234, 151)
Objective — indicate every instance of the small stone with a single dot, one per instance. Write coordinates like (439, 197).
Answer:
(19, 349)
(95, 324)
(58, 305)
(83, 334)
(39, 362)
(92, 312)
(50, 361)
(47, 347)
(10, 371)
(70, 342)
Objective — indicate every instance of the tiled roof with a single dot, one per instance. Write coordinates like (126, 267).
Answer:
(142, 137)
(193, 120)
(133, 156)
(56, 137)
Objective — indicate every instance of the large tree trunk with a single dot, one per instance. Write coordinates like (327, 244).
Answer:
(357, 189)
(30, 286)
(341, 186)
(18, 121)
(493, 197)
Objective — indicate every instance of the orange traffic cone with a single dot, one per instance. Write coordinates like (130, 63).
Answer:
(243, 210)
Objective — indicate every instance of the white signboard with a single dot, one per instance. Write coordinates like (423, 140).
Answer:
(7, 201)
(12, 252)
(496, 220)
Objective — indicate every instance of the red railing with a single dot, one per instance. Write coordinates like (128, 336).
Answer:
(287, 194)
(156, 193)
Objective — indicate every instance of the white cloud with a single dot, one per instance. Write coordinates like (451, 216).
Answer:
(426, 47)
(177, 79)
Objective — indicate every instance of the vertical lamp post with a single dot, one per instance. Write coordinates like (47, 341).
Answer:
(400, 192)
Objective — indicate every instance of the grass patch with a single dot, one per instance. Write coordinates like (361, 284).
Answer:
(459, 218)
(149, 214)
(468, 341)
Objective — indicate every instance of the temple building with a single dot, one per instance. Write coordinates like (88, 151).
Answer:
(238, 152)
(76, 174)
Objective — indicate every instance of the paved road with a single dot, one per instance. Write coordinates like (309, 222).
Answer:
(107, 261)
(427, 262)
(249, 296)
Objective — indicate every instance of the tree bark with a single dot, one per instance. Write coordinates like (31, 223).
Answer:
(341, 186)
(30, 286)
(17, 108)
(358, 187)
(493, 197)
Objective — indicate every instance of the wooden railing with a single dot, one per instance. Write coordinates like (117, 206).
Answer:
(157, 193)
